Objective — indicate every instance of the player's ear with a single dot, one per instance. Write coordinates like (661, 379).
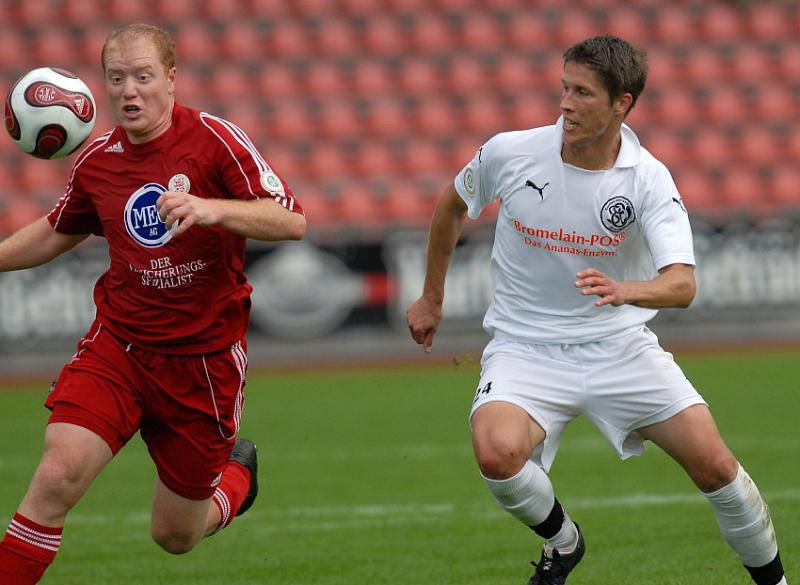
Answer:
(171, 80)
(623, 103)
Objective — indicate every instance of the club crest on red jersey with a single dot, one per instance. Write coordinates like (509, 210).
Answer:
(141, 217)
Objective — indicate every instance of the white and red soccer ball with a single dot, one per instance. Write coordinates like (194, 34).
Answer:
(49, 112)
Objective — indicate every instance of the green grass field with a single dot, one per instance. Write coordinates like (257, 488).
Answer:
(368, 477)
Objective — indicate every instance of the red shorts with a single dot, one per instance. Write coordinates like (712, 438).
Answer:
(187, 408)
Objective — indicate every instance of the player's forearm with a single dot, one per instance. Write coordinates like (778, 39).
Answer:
(34, 245)
(261, 220)
(674, 287)
(446, 226)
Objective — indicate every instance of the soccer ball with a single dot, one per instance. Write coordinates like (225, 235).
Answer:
(49, 112)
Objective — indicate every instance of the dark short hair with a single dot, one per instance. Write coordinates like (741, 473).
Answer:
(621, 66)
(160, 38)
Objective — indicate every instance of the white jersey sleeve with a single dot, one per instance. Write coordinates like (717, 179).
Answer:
(476, 183)
(664, 220)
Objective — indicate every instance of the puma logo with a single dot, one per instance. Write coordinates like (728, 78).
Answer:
(680, 203)
(538, 189)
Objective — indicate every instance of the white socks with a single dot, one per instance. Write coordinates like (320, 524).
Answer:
(744, 520)
(529, 497)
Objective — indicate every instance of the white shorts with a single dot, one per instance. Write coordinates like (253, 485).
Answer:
(621, 384)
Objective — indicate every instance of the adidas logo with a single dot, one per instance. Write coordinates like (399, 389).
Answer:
(115, 147)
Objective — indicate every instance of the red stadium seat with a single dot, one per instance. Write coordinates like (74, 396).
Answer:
(189, 84)
(55, 46)
(312, 8)
(751, 64)
(529, 30)
(793, 142)
(478, 31)
(195, 44)
(284, 160)
(421, 157)
(757, 145)
(371, 78)
(268, 8)
(289, 120)
(465, 74)
(668, 147)
(704, 65)
(241, 41)
(335, 37)
(789, 62)
(276, 81)
(327, 161)
(676, 107)
(83, 12)
(574, 25)
(724, 105)
(321, 210)
(288, 39)
(358, 7)
(531, 110)
(14, 52)
(19, 213)
(90, 43)
(387, 117)
(383, 35)
(769, 22)
(338, 120)
(358, 207)
(484, 115)
(121, 12)
(784, 186)
(458, 5)
(673, 24)
(36, 13)
(248, 117)
(629, 23)
(323, 78)
(431, 33)
(663, 70)
(462, 153)
(375, 158)
(514, 73)
(711, 147)
(722, 22)
(743, 189)
(435, 116)
(229, 84)
(698, 191)
(775, 103)
(419, 76)
(225, 10)
(550, 71)
(405, 205)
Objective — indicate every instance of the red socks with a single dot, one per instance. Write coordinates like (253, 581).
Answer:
(27, 550)
(231, 492)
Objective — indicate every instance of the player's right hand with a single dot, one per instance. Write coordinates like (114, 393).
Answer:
(423, 318)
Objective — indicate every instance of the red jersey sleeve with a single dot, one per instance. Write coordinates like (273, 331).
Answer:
(75, 213)
(244, 170)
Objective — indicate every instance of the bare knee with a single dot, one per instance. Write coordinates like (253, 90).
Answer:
(715, 472)
(58, 484)
(174, 541)
(499, 455)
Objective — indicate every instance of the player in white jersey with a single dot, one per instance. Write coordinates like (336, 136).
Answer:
(592, 238)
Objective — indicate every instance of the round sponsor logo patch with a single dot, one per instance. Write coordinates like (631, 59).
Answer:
(271, 182)
(141, 217)
(469, 181)
(617, 213)
(179, 183)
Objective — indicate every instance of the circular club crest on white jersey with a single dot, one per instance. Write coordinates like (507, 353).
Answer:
(141, 217)
(617, 214)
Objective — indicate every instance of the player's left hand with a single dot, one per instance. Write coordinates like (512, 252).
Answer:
(187, 209)
(593, 282)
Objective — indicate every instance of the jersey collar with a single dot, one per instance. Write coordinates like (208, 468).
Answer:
(630, 152)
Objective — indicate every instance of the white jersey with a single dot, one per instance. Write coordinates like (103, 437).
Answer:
(556, 219)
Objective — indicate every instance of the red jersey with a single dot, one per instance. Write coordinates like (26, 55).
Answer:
(187, 295)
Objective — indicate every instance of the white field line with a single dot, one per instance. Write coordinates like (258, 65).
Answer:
(330, 518)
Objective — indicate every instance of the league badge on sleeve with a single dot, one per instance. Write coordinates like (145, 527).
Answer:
(270, 182)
